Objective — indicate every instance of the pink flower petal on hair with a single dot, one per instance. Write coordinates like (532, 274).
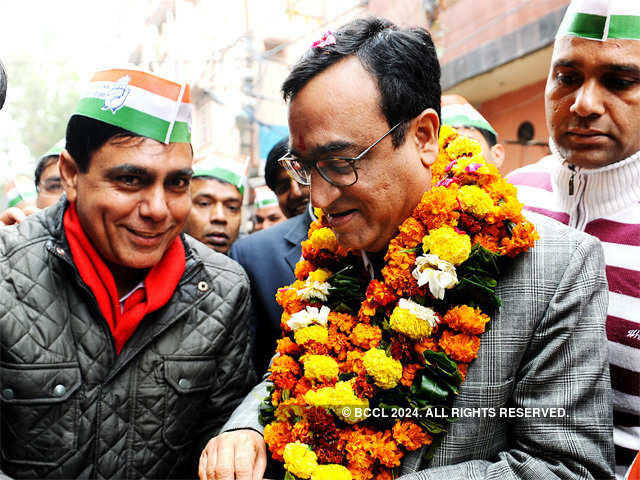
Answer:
(327, 39)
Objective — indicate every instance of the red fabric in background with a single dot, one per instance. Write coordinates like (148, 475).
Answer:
(159, 284)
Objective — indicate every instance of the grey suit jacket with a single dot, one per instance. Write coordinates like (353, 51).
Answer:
(546, 347)
(269, 258)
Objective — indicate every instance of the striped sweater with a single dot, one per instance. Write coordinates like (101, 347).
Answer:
(604, 202)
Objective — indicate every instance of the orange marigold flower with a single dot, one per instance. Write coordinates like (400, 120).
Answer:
(466, 319)
(411, 232)
(439, 207)
(409, 373)
(380, 293)
(303, 268)
(361, 387)
(343, 321)
(462, 368)
(300, 431)
(276, 436)
(338, 343)
(461, 347)
(427, 344)
(354, 361)
(284, 372)
(522, 238)
(287, 347)
(410, 435)
(365, 336)
(302, 386)
(487, 241)
(385, 450)
(367, 310)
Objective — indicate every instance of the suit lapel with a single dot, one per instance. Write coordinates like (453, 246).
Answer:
(294, 237)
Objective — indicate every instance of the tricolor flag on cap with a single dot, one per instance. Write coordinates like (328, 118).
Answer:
(458, 112)
(265, 197)
(56, 150)
(228, 170)
(602, 19)
(19, 189)
(140, 102)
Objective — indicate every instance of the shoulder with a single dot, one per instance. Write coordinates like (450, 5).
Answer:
(31, 234)
(217, 264)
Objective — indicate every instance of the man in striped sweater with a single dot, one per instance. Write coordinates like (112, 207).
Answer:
(592, 179)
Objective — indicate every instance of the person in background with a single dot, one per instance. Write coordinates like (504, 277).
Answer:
(124, 344)
(268, 211)
(269, 257)
(363, 109)
(591, 181)
(3, 85)
(458, 113)
(20, 200)
(292, 197)
(47, 177)
(217, 190)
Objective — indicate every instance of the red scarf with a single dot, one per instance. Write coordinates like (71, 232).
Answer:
(159, 284)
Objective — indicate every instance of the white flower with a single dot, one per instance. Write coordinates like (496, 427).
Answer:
(438, 273)
(423, 313)
(308, 316)
(315, 290)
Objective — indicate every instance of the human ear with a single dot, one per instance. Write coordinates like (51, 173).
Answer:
(425, 136)
(497, 154)
(69, 175)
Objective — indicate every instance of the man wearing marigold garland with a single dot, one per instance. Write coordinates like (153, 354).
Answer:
(385, 336)
(591, 181)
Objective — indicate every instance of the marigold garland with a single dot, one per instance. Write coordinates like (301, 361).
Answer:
(404, 340)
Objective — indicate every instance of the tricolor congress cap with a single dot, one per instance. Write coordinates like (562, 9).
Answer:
(458, 112)
(140, 102)
(230, 170)
(602, 19)
(265, 197)
(56, 150)
(19, 189)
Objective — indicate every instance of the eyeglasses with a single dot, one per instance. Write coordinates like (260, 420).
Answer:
(51, 185)
(338, 171)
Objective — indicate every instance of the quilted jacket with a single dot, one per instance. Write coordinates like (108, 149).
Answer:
(71, 407)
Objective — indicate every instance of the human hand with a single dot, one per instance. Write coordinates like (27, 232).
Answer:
(240, 455)
(12, 215)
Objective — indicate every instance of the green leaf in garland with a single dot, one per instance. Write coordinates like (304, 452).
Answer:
(429, 387)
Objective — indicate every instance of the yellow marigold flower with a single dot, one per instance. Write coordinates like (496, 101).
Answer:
(318, 213)
(331, 471)
(466, 319)
(320, 275)
(324, 239)
(386, 371)
(412, 320)
(317, 333)
(448, 245)
(463, 146)
(320, 367)
(338, 397)
(447, 134)
(299, 459)
(476, 201)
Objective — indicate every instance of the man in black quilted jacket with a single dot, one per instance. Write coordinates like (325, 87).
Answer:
(124, 343)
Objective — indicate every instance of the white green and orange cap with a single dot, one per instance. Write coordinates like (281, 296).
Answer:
(264, 197)
(458, 112)
(140, 102)
(230, 170)
(19, 189)
(602, 19)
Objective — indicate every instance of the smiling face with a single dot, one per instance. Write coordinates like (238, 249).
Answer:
(133, 199)
(293, 198)
(592, 100)
(216, 213)
(338, 112)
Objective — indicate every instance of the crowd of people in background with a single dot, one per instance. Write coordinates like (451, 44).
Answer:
(136, 321)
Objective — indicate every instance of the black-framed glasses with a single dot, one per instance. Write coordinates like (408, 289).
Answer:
(338, 171)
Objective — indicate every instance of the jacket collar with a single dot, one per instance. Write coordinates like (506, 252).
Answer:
(296, 234)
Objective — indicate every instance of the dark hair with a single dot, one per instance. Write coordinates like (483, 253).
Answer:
(271, 167)
(402, 60)
(86, 135)
(3, 84)
(489, 137)
(43, 163)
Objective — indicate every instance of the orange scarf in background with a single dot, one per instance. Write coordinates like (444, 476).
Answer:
(159, 284)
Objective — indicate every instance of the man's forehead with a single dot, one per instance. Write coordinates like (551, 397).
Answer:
(215, 188)
(604, 53)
